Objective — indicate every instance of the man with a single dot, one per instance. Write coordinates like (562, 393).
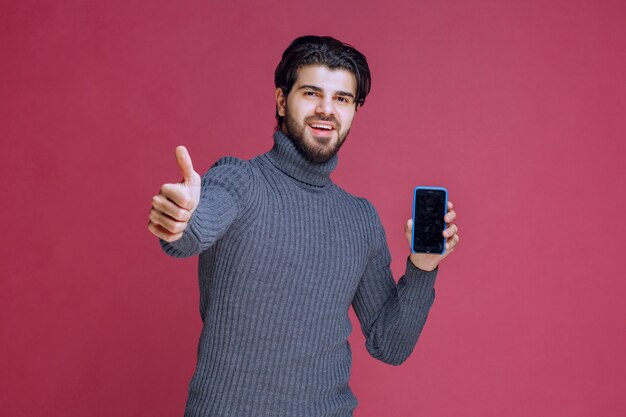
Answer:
(284, 252)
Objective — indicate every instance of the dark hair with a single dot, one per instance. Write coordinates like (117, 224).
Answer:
(321, 50)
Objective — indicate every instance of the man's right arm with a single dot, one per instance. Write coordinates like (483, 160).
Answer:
(190, 216)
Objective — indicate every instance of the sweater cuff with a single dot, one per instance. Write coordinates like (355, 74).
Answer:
(413, 272)
(187, 245)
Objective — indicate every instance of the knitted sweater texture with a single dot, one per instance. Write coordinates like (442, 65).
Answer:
(284, 252)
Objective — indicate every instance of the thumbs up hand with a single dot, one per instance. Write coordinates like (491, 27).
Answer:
(173, 206)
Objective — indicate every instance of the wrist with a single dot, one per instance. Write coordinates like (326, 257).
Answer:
(420, 263)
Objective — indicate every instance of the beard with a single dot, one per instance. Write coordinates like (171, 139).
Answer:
(314, 152)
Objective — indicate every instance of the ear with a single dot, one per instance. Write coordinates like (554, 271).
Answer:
(281, 100)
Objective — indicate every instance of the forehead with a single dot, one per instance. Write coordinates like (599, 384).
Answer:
(328, 79)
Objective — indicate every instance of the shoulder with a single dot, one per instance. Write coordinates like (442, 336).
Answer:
(362, 203)
(363, 207)
(229, 172)
(366, 220)
(229, 165)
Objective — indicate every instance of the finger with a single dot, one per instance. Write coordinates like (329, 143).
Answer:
(451, 215)
(450, 205)
(161, 233)
(452, 242)
(167, 222)
(178, 194)
(451, 230)
(184, 163)
(165, 206)
(408, 228)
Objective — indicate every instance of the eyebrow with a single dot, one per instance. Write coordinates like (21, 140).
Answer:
(315, 88)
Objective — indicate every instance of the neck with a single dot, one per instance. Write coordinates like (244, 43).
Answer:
(287, 158)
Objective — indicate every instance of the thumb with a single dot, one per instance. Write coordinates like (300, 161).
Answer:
(184, 163)
(408, 229)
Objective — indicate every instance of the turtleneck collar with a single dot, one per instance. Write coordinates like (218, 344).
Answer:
(287, 158)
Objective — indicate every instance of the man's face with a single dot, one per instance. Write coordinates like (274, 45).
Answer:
(318, 111)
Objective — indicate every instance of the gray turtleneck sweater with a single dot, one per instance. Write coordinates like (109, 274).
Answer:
(284, 252)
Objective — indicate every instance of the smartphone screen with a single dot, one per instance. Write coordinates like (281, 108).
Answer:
(429, 208)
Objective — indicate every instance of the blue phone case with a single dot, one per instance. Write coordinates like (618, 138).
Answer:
(445, 210)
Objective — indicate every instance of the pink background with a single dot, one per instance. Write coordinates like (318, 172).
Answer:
(518, 108)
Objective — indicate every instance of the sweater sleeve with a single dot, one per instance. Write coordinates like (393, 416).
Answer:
(223, 197)
(392, 316)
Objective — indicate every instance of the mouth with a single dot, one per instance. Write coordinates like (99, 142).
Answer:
(322, 128)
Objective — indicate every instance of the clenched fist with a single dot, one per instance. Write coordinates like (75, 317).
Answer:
(173, 206)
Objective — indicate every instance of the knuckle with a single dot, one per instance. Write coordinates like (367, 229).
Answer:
(180, 227)
(171, 228)
(185, 201)
(155, 230)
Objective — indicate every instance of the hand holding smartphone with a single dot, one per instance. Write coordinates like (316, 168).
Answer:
(430, 205)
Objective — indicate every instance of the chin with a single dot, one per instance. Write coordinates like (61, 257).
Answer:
(321, 153)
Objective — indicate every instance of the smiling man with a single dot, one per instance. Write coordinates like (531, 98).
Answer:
(318, 113)
(284, 252)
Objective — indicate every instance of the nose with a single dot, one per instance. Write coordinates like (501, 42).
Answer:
(325, 106)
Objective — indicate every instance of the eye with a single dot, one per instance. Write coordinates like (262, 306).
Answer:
(310, 93)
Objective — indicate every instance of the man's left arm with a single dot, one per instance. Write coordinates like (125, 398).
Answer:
(392, 316)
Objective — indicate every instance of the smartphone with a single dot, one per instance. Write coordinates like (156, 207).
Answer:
(430, 205)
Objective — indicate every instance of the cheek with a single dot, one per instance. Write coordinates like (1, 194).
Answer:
(346, 119)
(294, 110)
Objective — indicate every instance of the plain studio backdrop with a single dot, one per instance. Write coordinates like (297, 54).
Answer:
(517, 107)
